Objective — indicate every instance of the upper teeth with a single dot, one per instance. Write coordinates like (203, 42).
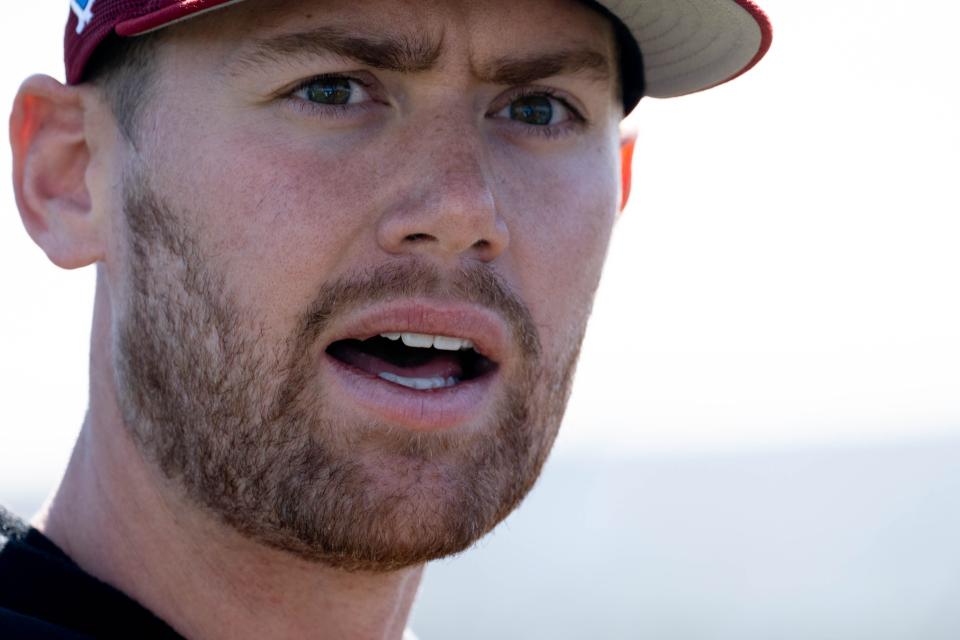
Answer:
(425, 341)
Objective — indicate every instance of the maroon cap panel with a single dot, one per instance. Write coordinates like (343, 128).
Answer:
(123, 17)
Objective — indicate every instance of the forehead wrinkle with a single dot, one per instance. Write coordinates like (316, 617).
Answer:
(524, 69)
(402, 52)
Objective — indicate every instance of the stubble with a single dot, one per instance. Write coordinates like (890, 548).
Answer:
(245, 432)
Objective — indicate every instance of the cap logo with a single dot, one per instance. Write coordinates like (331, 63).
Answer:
(83, 11)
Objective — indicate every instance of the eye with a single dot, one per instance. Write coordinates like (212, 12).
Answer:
(333, 91)
(538, 109)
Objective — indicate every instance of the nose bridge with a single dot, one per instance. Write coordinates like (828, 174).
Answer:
(449, 204)
(462, 176)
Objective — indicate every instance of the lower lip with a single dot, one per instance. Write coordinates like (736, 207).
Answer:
(428, 411)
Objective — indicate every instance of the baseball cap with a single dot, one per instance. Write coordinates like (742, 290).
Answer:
(680, 46)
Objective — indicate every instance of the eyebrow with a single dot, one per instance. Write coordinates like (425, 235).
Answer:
(406, 54)
(418, 53)
(516, 70)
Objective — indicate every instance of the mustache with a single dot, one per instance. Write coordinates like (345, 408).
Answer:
(476, 284)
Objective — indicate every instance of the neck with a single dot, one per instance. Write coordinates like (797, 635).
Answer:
(123, 523)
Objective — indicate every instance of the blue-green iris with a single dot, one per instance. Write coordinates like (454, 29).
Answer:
(332, 91)
(536, 110)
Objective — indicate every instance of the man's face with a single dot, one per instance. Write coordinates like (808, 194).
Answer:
(309, 179)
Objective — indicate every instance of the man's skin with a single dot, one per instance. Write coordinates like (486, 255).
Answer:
(281, 197)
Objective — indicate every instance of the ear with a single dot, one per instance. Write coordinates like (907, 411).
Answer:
(627, 143)
(50, 160)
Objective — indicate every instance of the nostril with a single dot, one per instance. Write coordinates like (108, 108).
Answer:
(419, 237)
(481, 244)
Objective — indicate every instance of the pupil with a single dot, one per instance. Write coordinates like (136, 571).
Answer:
(532, 110)
(330, 91)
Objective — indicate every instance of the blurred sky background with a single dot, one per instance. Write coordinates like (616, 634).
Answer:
(764, 438)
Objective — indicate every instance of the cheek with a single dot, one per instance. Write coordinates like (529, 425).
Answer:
(564, 215)
(277, 220)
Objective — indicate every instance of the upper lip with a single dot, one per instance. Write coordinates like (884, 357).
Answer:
(483, 327)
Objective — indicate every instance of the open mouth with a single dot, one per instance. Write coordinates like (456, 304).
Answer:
(414, 360)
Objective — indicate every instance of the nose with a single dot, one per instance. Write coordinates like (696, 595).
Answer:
(447, 208)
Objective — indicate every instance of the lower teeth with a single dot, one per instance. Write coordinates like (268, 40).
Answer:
(420, 384)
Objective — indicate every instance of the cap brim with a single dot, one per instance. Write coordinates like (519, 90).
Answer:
(687, 45)
(692, 45)
(169, 15)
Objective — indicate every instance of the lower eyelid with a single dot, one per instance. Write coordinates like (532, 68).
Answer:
(517, 129)
(329, 110)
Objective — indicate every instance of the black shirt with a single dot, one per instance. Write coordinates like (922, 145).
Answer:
(44, 595)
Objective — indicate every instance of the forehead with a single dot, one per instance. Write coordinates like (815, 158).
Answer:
(481, 30)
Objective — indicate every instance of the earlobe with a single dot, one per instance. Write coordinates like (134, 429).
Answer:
(627, 145)
(50, 160)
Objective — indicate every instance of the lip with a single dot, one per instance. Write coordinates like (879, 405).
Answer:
(426, 411)
(483, 327)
